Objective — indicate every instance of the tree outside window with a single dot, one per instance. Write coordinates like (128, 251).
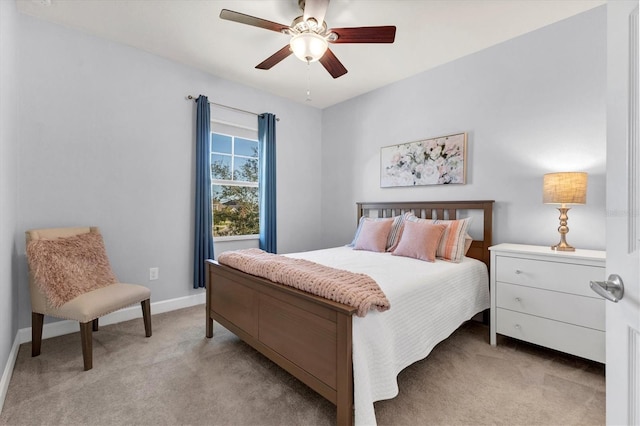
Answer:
(234, 177)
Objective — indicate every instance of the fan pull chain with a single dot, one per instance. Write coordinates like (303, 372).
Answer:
(308, 82)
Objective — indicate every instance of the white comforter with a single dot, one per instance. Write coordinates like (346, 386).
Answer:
(429, 301)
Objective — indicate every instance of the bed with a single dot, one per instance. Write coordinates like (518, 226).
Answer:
(320, 341)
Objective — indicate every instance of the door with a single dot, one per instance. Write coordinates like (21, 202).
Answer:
(623, 213)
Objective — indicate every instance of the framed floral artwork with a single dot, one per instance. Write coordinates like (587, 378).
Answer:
(435, 161)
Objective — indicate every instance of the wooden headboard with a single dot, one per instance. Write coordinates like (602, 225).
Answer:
(439, 210)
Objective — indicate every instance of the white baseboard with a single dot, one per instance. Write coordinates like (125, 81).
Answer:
(8, 371)
(60, 328)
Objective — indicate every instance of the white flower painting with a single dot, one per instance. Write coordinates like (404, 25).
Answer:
(434, 161)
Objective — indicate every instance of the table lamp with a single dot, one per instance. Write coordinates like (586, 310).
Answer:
(564, 188)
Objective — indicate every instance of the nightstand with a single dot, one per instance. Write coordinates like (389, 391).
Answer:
(542, 296)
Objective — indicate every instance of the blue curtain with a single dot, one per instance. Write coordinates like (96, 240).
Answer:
(267, 186)
(203, 241)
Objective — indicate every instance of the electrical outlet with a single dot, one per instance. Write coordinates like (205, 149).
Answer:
(154, 273)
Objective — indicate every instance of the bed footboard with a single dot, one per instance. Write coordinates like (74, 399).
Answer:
(308, 336)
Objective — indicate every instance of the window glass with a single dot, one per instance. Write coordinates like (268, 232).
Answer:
(221, 143)
(246, 169)
(220, 166)
(246, 147)
(234, 189)
(235, 210)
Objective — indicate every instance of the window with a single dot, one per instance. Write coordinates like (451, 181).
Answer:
(234, 185)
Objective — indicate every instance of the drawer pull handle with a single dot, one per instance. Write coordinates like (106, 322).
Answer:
(518, 271)
(517, 326)
(518, 300)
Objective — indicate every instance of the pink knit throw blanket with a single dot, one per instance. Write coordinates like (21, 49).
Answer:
(349, 288)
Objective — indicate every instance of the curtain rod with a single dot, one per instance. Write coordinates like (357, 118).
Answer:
(194, 98)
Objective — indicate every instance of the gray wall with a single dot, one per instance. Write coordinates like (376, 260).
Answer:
(8, 179)
(531, 105)
(106, 138)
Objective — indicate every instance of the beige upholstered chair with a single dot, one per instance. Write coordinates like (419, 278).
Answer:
(85, 308)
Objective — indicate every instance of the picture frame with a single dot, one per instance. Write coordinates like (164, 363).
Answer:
(435, 161)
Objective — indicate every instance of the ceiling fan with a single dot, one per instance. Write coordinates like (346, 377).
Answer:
(310, 37)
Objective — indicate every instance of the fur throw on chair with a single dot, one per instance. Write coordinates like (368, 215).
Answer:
(65, 268)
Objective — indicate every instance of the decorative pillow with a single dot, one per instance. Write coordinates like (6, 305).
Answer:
(65, 268)
(452, 245)
(394, 234)
(420, 240)
(363, 219)
(373, 235)
(467, 243)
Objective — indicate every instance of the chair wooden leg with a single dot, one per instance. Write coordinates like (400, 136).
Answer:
(95, 324)
(146, 315)
(87, 343)
(36, 333)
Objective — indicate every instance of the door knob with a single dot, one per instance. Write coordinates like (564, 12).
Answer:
(612, 289)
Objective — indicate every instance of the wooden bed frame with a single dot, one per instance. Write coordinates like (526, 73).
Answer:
(309, 336)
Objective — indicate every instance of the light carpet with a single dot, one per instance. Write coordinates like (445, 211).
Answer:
(178, 376)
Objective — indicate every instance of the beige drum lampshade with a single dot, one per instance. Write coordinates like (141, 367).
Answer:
(565, 188)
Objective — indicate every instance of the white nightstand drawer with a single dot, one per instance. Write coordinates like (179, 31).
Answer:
(580, 341)
(569, 308)
(555, 276)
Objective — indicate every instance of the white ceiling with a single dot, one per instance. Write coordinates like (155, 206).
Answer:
(429, 33)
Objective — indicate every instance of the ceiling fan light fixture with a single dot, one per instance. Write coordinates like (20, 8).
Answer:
(308, 47)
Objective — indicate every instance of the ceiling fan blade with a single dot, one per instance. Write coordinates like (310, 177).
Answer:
(316, 9)
(275, 58)
(385, 34)
(230, 15)
(332, 64)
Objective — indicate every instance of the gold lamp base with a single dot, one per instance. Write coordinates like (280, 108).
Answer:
(563, 246)
(563, 229)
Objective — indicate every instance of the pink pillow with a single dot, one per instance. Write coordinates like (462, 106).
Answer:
(420, 240)
(454, 243)
(373, 235)
(394, 234)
